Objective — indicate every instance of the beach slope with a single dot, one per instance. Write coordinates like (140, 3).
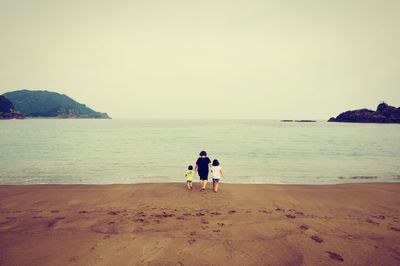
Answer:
(164, 224)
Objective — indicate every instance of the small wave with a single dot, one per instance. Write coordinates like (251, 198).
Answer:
(359, 177)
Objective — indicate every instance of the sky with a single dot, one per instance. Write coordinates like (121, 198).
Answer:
(205, 59)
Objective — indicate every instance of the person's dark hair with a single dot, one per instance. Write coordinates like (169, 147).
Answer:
(215, 162)
(190, 167)
(203, 153)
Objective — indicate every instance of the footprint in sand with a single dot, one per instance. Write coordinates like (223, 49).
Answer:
(51, 223)
(193, 233)
(180, 218)
(394, 229)
(216, 230)
(279, 209)
(83, 212)
(73, 259)
(55, 211)
(264, 211)
(166, 215)
(204, 222)
(371, 222)
(106, 228)
(220, 224)
(351, 237)
(112, 213)
(215, 213)
(9, 220)
(334, 256)
(317, 239)
(231, 211)
(304, 227)
(380, 217)
(200, 214)
(290, 216)
(191, 241)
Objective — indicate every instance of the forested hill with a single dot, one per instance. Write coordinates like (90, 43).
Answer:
(50, 104)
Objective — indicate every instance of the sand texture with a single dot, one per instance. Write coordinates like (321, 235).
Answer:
(164, 224)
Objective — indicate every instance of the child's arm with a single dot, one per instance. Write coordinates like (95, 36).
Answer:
(195, 168)
(222, 173)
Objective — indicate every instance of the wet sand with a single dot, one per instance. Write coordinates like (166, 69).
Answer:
(164, 224)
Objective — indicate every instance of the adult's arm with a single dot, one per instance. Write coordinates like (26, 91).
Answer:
(197, 166)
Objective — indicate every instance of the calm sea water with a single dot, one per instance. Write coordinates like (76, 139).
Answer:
(250, 151)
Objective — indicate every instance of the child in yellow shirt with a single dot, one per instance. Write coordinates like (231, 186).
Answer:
(189, 174)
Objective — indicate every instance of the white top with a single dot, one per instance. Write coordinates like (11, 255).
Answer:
(216, 172)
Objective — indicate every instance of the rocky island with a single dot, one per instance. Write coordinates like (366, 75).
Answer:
(46, 104)
(384, 114)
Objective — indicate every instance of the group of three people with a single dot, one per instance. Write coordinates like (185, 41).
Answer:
(203, 167)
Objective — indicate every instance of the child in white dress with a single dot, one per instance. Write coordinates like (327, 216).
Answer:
(216, 173)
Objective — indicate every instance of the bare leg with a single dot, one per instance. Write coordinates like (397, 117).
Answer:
(204, 184)
(216, 186)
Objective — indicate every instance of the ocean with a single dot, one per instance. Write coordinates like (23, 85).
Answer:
(121, 151)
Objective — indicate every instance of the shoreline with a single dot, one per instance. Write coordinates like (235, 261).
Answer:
(365, 181)
(153, 224)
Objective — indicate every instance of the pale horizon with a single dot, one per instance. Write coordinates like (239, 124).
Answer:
(208, 60)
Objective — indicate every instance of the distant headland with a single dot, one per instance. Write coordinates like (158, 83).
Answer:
(384, 114)
(43, 104)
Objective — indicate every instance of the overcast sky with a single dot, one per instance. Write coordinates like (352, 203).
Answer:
(205, 59)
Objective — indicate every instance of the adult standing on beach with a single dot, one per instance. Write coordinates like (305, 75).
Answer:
(203, 167)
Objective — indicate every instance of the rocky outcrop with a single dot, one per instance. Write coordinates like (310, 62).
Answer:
(7, 109)
(50, 105)
(383, 114)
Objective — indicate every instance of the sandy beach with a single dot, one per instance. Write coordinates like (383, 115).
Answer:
(164, 224)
